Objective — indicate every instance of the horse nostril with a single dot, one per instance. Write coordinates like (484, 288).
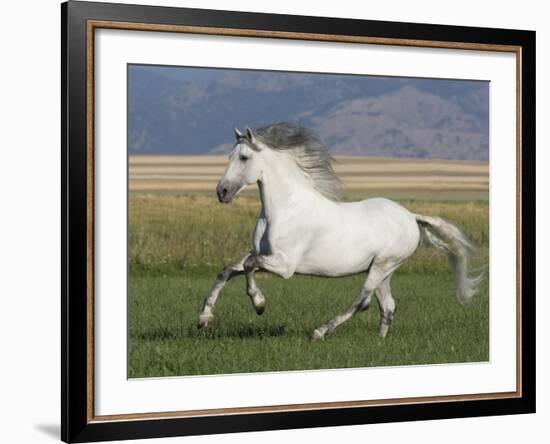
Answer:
(223, 192)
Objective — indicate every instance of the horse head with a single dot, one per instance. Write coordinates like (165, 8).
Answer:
(244, 168)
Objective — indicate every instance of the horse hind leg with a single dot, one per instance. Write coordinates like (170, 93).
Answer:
(365, 304)
(375, 277)
(386, 304)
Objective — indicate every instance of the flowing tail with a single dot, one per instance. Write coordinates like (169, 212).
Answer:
(459, 249)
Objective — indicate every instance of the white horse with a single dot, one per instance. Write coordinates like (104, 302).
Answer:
(303, 228)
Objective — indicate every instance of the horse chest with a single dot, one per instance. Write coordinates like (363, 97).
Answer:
(270, 237)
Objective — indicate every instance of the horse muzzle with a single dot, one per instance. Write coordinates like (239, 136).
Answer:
(225, 192)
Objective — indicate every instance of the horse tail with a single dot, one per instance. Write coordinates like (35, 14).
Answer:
(459, 249)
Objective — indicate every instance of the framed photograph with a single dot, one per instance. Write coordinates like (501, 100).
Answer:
(367, 187)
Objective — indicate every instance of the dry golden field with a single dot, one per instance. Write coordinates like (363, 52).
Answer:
(365, 175)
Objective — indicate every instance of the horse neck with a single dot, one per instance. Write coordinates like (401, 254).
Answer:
(284, 187)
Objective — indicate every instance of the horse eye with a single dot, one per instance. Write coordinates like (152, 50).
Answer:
(243, 158)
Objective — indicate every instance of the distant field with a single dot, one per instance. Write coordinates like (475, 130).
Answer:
(361, 175)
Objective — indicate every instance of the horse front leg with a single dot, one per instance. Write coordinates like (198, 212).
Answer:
(228, 273)
(275, 263)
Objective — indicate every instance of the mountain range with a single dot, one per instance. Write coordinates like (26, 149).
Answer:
(181, 111)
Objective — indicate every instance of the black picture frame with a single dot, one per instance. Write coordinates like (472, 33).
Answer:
(77, 425)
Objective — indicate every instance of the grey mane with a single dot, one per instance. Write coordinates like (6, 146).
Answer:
(308, 152)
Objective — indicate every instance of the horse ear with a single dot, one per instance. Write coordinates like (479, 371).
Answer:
(238, 133)
(251, 136)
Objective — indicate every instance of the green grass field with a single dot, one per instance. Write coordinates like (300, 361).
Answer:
(179, 242)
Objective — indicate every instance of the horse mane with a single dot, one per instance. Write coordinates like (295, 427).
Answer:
(308, 152)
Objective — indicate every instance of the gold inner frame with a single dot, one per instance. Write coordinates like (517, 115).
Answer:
(95, 24)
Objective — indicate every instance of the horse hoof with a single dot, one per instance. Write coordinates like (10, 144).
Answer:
(258, 301)
(203, 321)
(383, 331)
(260, 308)
(317, 335)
